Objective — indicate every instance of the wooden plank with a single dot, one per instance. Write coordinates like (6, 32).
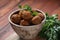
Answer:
(3, 3)
(5, 11)
(13, 36)
(5, 28)
(57, 11)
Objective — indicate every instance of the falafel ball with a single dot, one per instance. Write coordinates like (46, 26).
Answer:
(41, 15)
(15, 18)
(26, 15)
(20, 13)
(36, 20)
(24, 23)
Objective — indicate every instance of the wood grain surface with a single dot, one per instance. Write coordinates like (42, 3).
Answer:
(7, 6)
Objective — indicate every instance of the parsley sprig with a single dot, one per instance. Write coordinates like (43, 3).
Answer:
(51, 28)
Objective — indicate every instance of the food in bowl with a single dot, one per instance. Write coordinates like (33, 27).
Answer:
(25, 18)
(27, 22)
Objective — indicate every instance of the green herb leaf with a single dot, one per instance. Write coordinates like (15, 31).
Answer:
(34, 13)
(51, 28)
(19, 6)
(27, 7)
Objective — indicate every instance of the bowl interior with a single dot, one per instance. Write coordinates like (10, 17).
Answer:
(16, 11)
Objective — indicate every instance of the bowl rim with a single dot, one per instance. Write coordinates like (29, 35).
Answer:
(9, 19)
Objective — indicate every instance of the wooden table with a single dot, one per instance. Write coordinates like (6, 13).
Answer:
(7, 6)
